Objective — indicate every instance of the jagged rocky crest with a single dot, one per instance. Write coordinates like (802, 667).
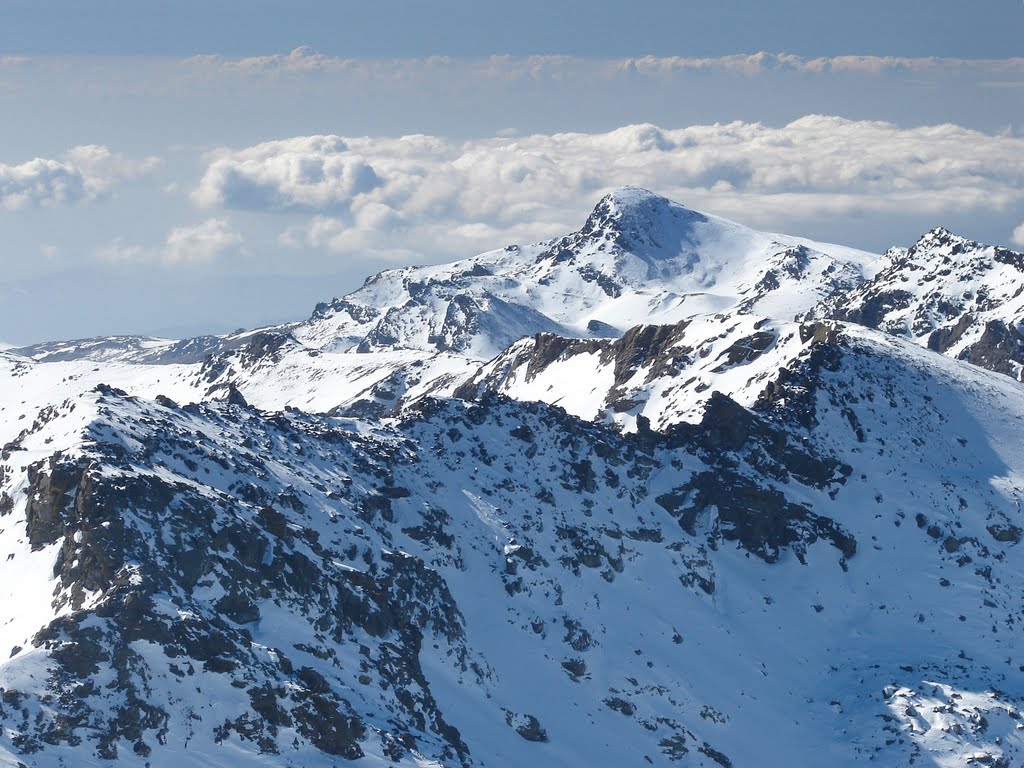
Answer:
(956, 296)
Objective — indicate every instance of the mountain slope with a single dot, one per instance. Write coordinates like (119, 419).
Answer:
(660, 375)
(212, 545)
(600, 501)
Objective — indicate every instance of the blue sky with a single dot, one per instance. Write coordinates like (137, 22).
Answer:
(177, 168)
(964, 28)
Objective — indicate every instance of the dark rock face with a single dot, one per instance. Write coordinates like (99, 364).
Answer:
(875, 307)
(611, 287)
(941, 339)
(726, 425)
(461, 321)
(384, 333)
(104, 512)
(265, 346)
(794, 388)
(51, 484)
(760, 518)
(646, 344)
(526, 726)
(746, 349)
(659, 348)
(361, 313)
(1005, 532)
(1000, 349)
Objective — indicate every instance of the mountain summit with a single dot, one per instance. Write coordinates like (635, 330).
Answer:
(645, 224)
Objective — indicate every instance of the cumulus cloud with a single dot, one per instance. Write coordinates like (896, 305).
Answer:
(1018, 236)
(386, 195)
(200, 243)
(85, 173)
(310, 172)
(40, 182)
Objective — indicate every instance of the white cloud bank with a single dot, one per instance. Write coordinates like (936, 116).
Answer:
(396, 197)
(85, 173)
(1018, 235)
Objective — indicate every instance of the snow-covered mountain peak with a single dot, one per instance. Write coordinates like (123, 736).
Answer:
(635, 237)
(941, 237)
(644, 223)
(638, 259)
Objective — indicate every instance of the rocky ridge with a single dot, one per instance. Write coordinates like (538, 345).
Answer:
(955, 296)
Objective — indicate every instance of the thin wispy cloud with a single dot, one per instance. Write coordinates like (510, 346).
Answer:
(190, 244)
(200, 243)
(760, 63)
(304, 61)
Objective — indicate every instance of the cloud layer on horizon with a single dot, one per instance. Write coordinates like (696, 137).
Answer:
(396, 197)
(307, 61)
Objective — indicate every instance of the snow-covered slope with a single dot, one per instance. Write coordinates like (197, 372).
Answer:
(495, 582)
(658, 374)
(602, 501)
